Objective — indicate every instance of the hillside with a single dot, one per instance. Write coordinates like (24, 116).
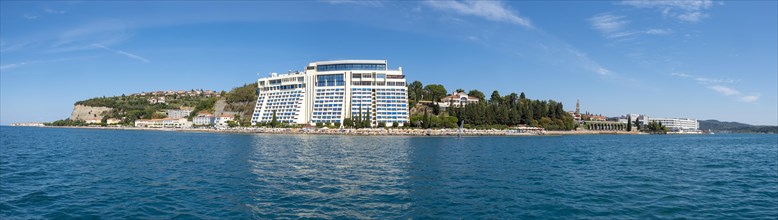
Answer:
(242, 100)
(148, 105)
(736, 127)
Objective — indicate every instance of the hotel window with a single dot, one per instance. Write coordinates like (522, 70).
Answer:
(330, 80)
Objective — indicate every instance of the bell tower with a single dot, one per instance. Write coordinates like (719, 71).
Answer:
(577, 107)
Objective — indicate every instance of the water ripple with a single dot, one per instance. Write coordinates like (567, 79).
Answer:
(81, 173)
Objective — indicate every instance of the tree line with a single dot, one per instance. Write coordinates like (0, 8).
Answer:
(499, 111)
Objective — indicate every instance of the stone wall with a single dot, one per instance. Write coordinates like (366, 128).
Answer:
(82, 112)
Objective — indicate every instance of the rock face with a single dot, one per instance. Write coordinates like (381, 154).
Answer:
(82, 112)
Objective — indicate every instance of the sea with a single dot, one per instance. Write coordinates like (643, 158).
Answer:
(63, 173)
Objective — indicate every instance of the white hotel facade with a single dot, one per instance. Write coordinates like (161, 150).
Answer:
(330, 91)
(681, 125)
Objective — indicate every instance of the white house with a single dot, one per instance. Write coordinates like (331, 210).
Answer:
(176, 113)
(204, 119)
(221, 120)
(163, 123)
(457, 99)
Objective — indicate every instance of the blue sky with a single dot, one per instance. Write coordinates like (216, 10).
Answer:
(698, 59)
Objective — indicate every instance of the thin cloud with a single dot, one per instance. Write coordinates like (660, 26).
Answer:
(490, 10)
(683, 75)
(692, 16)
(727, 91)
(608, 23)
(54, 11)
(589, 64)
(133, 56)
(688, 11)
(749, 98)
(716, 85)
(355, 2)
(615, 27)
(703, 80)
(101, 46)
(658, 31)
(34, 62)
(30, 17)
(129, 55)
(692, 5)
(9, 66)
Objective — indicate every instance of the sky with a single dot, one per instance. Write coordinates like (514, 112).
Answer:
(691, 59)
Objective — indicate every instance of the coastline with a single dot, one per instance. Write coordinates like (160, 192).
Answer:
(366, 132)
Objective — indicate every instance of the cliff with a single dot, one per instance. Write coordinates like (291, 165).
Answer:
(82, 112)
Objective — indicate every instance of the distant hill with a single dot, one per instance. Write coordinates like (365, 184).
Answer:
(147, 105)
(735, 127)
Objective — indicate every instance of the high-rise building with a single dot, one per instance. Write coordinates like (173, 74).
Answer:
(331, 91)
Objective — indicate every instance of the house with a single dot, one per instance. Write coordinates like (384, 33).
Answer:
(113, 121)
(163, 123)
(155, 100)
(597, 118)
(457, 99)
(221, 120)
(204, 119)
(178, 113)
(93, 120)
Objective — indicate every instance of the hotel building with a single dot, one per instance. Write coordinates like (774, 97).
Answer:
(678, 124)
(330, 91)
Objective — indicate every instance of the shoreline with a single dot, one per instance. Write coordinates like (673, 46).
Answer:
(367, 132)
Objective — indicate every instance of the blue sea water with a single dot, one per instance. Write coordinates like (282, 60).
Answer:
(115, 174)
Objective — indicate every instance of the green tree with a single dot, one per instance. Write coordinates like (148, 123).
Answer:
(629, 123)
(478, 94)
(512, 100)
(274, 120)
(436, 109)
(395, 124)
(435, 91)
(656, 128)
(347, 122)
(460, 90)
(637, 123)
(425, 123)
(496, 99)
(415, 90)
(360, 120)
(367, 122)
